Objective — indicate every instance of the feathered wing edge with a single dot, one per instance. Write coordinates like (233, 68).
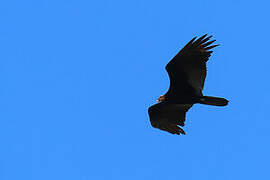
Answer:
(168, 117)
(195, 53)
(202, 44)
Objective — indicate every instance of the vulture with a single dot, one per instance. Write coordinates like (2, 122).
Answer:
(187, 72)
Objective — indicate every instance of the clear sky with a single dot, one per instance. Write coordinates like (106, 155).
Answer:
(77, 78)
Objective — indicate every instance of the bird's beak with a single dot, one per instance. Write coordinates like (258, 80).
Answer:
(161, 98)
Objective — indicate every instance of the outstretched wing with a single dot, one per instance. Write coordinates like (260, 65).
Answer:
(168, 117)
(188, 67)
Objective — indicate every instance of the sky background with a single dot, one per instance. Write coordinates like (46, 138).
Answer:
(77, 78)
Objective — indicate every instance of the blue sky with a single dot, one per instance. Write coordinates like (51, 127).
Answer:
(77, 78)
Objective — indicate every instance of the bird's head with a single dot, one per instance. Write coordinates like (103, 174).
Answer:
(161, 98)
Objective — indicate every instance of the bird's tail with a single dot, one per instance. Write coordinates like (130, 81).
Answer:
(214, 101)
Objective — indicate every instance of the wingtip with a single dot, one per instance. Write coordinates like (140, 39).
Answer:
(195, 37)
(203, 36)
(190, 42)
(210, 47)
(200, 39)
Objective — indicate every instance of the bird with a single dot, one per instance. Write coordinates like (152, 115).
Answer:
(187, 72)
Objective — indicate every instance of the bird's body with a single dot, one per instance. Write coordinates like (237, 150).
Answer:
(187, 72)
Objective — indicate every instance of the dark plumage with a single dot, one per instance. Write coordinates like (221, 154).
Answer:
(187, 72)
